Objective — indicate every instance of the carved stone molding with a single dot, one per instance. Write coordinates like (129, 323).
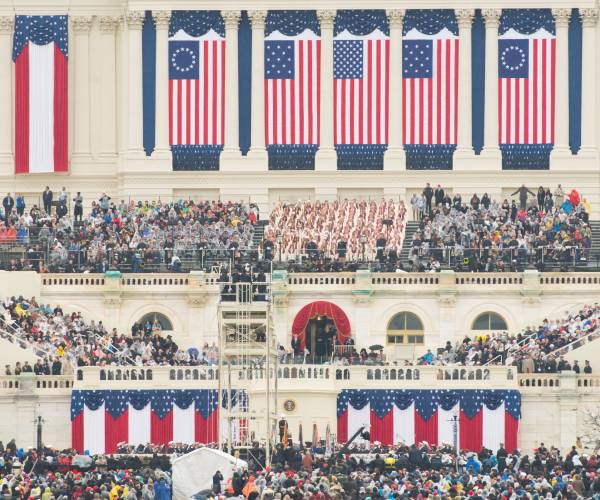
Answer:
(108, 24)
(257, 19)
(162, 18)
(326, 18)
(6, 24)
(81, 24)
(561, 17)
(589, 17)
(231, 18)
(135, 20)
(395, 17)
(464, 17)
(491, 17)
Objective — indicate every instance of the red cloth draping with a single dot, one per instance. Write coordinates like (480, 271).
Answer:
(511, 432)
(471, 431)
(161, 430)
(77, 433)
(382, 429)
(321, 308)
(426, 430)
(342, 427)
(206, 431)
(116, 431)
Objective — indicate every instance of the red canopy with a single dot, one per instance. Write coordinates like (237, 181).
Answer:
(321, 308)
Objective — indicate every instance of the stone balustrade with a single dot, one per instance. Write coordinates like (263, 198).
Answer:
(316, 376)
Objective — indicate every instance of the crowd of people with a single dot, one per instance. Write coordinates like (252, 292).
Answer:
(533, 350)
(65, 341)
(417, 471)
(50, 474)
(128, 236)
(482, 234)
(347, 230)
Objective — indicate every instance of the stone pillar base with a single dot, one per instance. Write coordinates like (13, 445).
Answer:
(394, 159)
(561, 159)
(326, 159)
(490, 159)
(257, 160)
(230, 160)
(162, 154)
(465, 159)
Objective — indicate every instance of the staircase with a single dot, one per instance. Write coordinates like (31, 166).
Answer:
(411, 228)
(595, 250)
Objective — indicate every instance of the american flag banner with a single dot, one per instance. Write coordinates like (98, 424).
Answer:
(196, 89)
(484, 417)
(101, 419)
(292, 88)
(526, 87)
(430, 52)
(40, 51)
(361, 49)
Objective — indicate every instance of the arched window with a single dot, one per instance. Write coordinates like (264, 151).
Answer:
(165, 323)
(405, 328)
(489, 321)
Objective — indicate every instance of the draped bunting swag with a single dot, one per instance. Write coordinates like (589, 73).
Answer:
(292, 22)
(196, 22)
(526, 21)
(430, 22)
(429, 156)
(145, 416)
(361, 22)
(485, 417)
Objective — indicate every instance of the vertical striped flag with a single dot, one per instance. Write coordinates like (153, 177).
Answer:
(40, 51)
(430, 87)
(361, 88)
(196, 89)
(526, 87)
(292, 80)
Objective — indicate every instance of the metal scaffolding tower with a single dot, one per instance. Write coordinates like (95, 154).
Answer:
(247, 363)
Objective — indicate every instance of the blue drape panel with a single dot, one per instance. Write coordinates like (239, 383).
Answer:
(478, 80)
(575, 81)
(149, 82)
(245, 81)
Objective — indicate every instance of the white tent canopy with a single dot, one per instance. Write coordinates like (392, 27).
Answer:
(193, 472)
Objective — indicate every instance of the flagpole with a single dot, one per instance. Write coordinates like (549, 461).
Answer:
(454, 421)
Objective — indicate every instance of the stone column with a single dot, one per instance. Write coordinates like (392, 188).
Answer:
(6, 99)
(589, 18)
(464, 147)
(395, 158)
(490, 126)
(258, 151)
(162, 148)
(326, 158)
(82, 123)
(107, 128)
(231, 141)
(561, 121)
(135, 149)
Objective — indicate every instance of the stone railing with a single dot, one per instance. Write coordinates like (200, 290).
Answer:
(529, 282)
(27, 383)
(557, 382)
(316, 377)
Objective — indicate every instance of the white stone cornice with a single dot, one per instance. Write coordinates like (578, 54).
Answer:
(589, 17)
(231, 18)
(464, 17)
(491, 17)
(561, 17)
(395, 17)
(81, 24)
(257, 18)
(326, 18)
(108, 24)
(6, 24)
(135, 20)
(162, 18)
